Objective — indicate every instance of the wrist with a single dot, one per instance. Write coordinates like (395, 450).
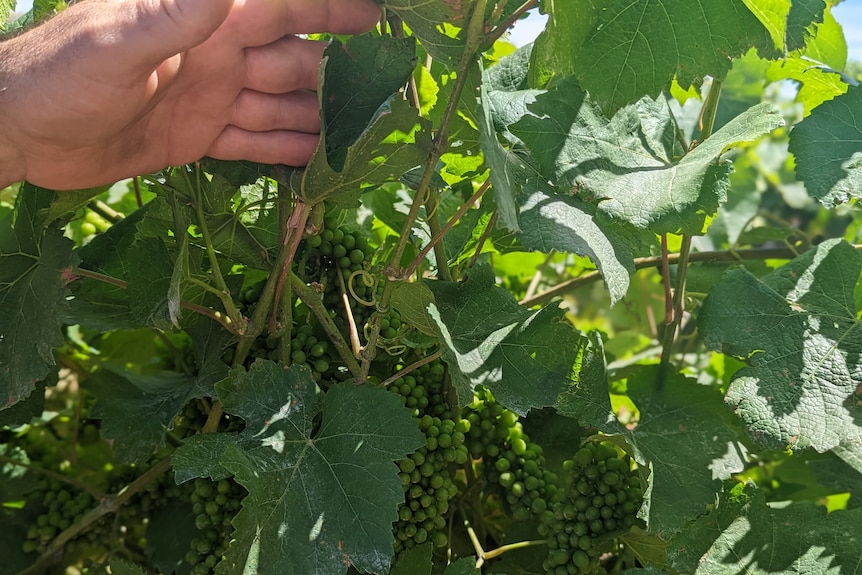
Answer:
(13, 167)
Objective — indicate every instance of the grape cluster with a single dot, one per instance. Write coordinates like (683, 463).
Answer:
(62, 505)
(426, 474)
(307, 344)
(512, 462)
(601, 497)
(215, 503)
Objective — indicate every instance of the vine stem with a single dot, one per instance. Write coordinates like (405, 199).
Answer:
(498, 31)
(475, 37)
(654, 261)
(482, 555)
(438, 236)
(223, 291)
(108, 504)
(210, 313)
(310, 298)
(412, 367)
(97, 494)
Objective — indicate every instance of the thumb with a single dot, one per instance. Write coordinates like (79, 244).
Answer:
(155, 30)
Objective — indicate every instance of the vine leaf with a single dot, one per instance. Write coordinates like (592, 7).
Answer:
(798, 330)
(828, 149)
(567, 224)
(35, 264)
(445, 42)
(687, 439)
(745, 535)
(524, 357)
(558, 45)
(322, 494)
(629, 164)
(585, 397)
(98, 305)
(369, 136)
(637, 47)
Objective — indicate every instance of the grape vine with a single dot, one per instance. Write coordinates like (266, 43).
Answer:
(399, 358)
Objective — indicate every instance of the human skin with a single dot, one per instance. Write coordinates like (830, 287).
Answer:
(110, 89)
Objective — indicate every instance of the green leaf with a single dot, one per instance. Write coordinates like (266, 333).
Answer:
(585, 397)
(99, 305)
(357, 78)
(369, 136)
(508, 170)
(136, 409)
(438, 25)
(649, 549)
(745, 535)
(463, 566)
(170, 531)
(629, 164)
(6, 8)
(151, 282)
(804, 14)
(524, 357)
(798, 330)
(412, 301)
(322, 495)
(26, 409)
(35, 265)
(388, 149)
(685, 437)
(414, 561)
(557, 46)
(567, 224)
(637, 47)
(828, 149)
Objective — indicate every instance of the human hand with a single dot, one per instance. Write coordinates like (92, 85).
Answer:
(115, 88)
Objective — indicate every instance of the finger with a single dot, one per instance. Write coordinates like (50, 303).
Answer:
(151, 31)
(262, 21)
(288, 64)
(294, 111)
(275, 147)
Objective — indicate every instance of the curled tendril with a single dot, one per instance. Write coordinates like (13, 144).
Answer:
(369, 280)
(395, 350)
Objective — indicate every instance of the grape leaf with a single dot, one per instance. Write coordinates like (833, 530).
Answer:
(151, 285)
(567, 224)
(136, 409)
(585, 397)
(415, 561)
(369, 137)
(629, 164)
(636, 47)
(828, 149)
(649, 549)
(35, 264)
(438, 25)
(524, 357)
(463, 566)
(798, 330)
(322, 496)
(557, 46)
(169, 534)
(745, 535)
(100, 305)
(508, 170)
(801, 23)
(684, 435)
